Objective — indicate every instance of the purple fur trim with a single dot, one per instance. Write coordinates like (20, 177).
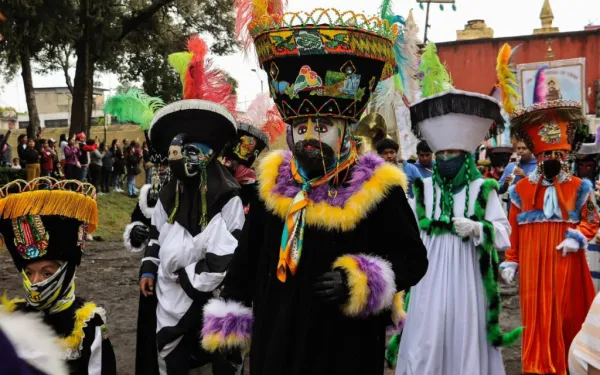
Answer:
(362, 172)
(231, 323)
(376, 283)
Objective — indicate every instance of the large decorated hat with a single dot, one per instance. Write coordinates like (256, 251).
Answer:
(46, 219)
(206, 113)
(545, 125)
(447, 118)
(322, 63)
(135, 106)
(260, 126)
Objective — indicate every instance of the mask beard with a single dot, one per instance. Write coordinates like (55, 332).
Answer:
(551, 168)
(310, 158)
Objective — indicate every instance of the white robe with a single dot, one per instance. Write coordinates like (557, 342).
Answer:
(445, 331)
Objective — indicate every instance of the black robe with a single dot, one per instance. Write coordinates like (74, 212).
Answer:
(63, 322)
(293, 333)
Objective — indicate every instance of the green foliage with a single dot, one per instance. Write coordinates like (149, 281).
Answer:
(436, 78)
(8, 174)
(234, 84)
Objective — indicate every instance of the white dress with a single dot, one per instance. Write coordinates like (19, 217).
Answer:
(445, 331)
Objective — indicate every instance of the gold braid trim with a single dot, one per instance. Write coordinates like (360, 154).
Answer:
(47, 196)
(82, 316)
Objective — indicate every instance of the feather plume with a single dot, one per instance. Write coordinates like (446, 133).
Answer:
(264, 115)
(507, 82)
(200, 79)
(411, 67)
(540, 89)
(133, 106)
(436, 78)
(248, 11)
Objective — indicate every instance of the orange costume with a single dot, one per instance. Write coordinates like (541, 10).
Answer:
(553, 216)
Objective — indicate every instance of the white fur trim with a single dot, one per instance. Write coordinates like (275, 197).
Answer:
(34, 342)
(456, 92)
(143, 201)
(389, 277)
(127, 238)
(220, 308)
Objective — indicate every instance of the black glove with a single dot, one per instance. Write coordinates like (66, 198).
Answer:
(139, 234)
(227, 363)
(332, 287)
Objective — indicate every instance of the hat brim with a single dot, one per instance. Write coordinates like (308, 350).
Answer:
(202, 121)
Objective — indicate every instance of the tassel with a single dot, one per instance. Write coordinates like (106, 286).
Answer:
(172, 216)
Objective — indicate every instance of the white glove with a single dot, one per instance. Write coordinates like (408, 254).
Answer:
(569, 245)
(466, 227)
(508, 270)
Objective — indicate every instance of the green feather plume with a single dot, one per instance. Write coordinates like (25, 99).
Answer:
(436, 78)
(180, 62)
(133, 106)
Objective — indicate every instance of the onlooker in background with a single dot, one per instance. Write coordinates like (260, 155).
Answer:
(96, 167)
(57, 171)
(526, 165)
(62, 143)
(132, 160)
(125, 143)
(119, 165)
(47, 159)
(84, 157)
(15, 164)
(21, 146)
(4, 147)
(388, 150)
(108, 161)
(147, 163)
(72, 153)
(32, 160)
(425, 163)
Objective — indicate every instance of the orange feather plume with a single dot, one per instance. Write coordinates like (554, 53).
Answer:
(507, 82)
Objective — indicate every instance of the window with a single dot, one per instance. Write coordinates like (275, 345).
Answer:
(56, 123)
(23, 124)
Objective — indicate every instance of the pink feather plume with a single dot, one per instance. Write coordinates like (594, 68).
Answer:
(248, 11)
(540, 88)
(263, 114)
(204, 82)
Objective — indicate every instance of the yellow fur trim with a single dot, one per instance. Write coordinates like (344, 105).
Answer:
(373, 191)
(10, 305)
(398, 313)
(214, 342)
(82, 316)
(51, 202)
(357, 283)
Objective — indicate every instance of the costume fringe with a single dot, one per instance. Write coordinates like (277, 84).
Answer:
(9, 305)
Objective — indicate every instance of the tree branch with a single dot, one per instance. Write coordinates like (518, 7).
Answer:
(131, 23)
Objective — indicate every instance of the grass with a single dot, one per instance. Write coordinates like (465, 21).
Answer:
(114, 211)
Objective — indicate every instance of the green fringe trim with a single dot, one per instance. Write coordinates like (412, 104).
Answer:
(391, 353)
(488, 257)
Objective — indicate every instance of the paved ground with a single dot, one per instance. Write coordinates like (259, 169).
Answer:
(109, 275)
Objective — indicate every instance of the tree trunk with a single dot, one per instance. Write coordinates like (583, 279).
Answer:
(34, 118)
(80, 115)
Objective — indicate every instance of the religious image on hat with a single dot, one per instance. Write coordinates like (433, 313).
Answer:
(259, 127)
(206, 114)
(135, 106)
(451, 119)
(47, 220)
(319, 64)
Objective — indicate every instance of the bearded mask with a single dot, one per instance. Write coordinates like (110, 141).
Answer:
(551, 163)
(319, 142)
(187, 159)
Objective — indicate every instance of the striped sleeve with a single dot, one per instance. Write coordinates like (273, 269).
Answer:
(219, 240)
(585, 349)
(151, 258)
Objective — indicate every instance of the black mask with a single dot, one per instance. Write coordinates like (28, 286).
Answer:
(551, 168)
(310, 159)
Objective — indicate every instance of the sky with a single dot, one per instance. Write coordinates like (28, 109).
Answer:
(506, 17)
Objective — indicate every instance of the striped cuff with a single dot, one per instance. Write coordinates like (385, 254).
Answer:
(227, 326)
(371, 282)
(577, 236)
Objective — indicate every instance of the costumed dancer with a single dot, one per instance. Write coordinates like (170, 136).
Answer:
(45, 232)
(553, 216)
(28, 346)
(137, 107)
(260, 126)
(331, 237)
(197, 220)
(452, 319)
(586, 166)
